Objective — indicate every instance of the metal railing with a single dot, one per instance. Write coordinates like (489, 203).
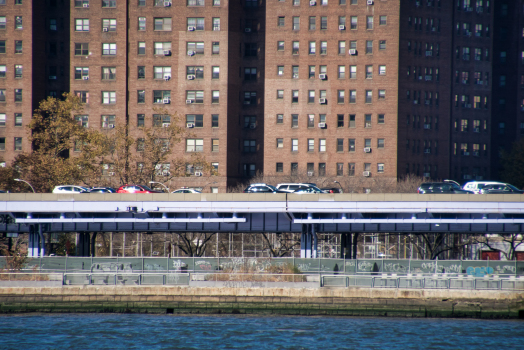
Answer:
(420, 281)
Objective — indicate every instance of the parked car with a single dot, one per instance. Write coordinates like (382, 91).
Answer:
(70, 189)
(332, 190)
(292, 187)
(500, 188)
(186, 190)
(101, 190)
(135, 189)
(441, 187)
(476, 186)
(262, 188)
(310, 189)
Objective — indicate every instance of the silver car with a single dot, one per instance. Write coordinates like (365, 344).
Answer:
(70, 189)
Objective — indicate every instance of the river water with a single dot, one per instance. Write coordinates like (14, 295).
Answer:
(130, 331)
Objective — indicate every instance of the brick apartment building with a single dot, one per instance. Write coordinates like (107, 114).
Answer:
(351, 88)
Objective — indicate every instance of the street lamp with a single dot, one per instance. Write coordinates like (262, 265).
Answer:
(155, 182)
(211, 183)
(20, 180)
(339, 185)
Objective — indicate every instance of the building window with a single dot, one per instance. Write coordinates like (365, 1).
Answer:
(215, 96)
(369, 72)
(295, 47)
(280, 70)
(18, 22)
(215, 72)
(108, 73)
(323, 23)
(383, 20)
(296, 23)
(381, 94)
(250, 146)
(195, 2)
(294, 145)
(294, 120)
(323, 47)
(214, 145)
(162, 96)
(369, 96)
(141, 72)
(341, 47)
(18, 46)
(340, 169)
(352, 96)
(2, 119)
(140, 120)
(214, 120)
(311, 96)
(18, 143)
(141, 48)
(341, 72)
(194, 145)
(280, 168)
(18, 95)
(196, 119)
(280, 143)
(380, 143)
(352, 72)
(80, 3)
(249, 169)
(195, 23)
(250, 98)
(311, 70)
(381, 70)
(216, 24)
(382, 44)
(322, 145)
(369, 22)
(83, 95)
(312, 23)
(108, 97)
(141, 96)
(2, 46)
(82, 24)
(310, 145)
(353, 22)
(380, 119)
(310, 120)
(340, 145)
(194, 72)
(281, 21)
(351, 145)
(250, 73)
(312, 48)
(162, 24)
(215, 48)
(109, 25)
(108, 3)
(109, 49)
(294, 96)
(280, 46)
(380, 167)
(81, 73)
(164, 48)
(196, 96)
(250, 50)
(2, 22)
(107, 121)
(340, 96)
(369, 46)
(280, 119)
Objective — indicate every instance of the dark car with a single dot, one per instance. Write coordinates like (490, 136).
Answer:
(441, 187)
(101, 190)
(262, 188)
(135, 189)
(500, 188)
(332, 190)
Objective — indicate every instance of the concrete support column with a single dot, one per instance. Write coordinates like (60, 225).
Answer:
(32, 250)
(41, 241)
(93, 243)
(82, 249)
(343, 246)
(315, 241)
(303, 241)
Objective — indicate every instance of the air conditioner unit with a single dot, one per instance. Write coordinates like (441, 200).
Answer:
(322, 76)
(312, 3)
(476, 154)
(427, 126)
(105, 29)
(370, 2)
(321, 125)
(190, 125)
(189, 101)
(247, 30)
(465, 154)
(253, 126)
(167, 77)
(167, 52)
(426, 175)
(190, 77)
(190, 29)
(367, 149)
(295, 76)
(322, 101)
(467, 177)
(110, 126)
(476, 129)
(52, 77)
(352, 52)
(190, 53)
(166, 125)
(198, 173)
(247, 102)
(85, 78)
(427, 151)
(86, 5)
(341, 27)
(111, 173)
(166, 101)
(167, 3)
(366, 173)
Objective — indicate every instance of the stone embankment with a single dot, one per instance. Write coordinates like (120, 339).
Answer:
(288, 301)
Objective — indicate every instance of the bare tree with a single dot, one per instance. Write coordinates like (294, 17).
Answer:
(284, 244)
(506, 243)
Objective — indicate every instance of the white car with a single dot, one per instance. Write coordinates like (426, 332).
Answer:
(476, 186)
(70, 189)
(186, 190)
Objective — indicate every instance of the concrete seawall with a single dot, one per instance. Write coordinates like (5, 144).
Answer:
(288, 301)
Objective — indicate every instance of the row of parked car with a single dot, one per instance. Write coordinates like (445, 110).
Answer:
(121, 189)
(472, 187)
(290, 188)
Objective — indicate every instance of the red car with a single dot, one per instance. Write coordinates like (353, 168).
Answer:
(135, 189)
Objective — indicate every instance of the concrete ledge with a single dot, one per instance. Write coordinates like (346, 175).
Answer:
(289, 301)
